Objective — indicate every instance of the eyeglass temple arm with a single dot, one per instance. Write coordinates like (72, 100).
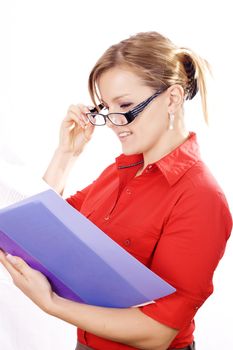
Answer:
(94, 109)
(132, 114)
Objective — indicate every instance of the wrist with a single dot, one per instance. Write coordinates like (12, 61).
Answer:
(58, 305)
(53, 306)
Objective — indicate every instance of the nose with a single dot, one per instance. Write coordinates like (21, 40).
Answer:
(113, 127)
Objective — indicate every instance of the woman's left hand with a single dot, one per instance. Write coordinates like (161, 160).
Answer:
(31, 282)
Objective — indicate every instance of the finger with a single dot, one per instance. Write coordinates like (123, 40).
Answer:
(19, 264)
(88, 131)
(80, 111)
(14, 263)
(73, 117)
(82, 108)
(8, 265)
(77, 119)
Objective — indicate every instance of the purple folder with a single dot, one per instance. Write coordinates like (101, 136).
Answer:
(81, 262)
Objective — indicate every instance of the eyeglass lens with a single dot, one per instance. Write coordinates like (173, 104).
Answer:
(115, 118)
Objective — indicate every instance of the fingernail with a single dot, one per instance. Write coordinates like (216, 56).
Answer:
(11, 258)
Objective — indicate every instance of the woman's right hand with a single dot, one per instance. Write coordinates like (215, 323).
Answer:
(75, 130)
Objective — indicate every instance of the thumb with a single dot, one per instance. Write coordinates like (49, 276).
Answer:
(88, 131)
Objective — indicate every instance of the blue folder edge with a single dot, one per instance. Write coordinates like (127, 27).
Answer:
(81, 262)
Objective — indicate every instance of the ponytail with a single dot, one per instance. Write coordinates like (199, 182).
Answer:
(195, 68)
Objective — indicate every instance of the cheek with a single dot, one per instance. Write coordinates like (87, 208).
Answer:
(150, 127)
(150, 135)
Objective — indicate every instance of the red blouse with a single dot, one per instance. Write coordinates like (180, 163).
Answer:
(174, 218)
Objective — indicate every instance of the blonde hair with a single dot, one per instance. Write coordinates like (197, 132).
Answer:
(158, 62)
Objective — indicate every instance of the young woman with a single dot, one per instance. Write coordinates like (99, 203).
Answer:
(158, 200)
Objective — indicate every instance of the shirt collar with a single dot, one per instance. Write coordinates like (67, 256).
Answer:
(173, 165)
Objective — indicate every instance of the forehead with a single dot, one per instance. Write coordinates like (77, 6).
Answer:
(118, 81)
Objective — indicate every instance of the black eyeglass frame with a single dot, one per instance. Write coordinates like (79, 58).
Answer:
(129, 116)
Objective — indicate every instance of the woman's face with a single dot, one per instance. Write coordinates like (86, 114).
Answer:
(121, 90)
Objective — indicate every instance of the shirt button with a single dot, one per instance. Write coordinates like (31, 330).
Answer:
(128, 191)
(127, 242)
(107, 217)
(150, 166)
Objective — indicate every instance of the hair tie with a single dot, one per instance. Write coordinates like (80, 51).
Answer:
(192, 86)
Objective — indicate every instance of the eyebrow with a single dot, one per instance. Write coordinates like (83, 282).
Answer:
(115, 98)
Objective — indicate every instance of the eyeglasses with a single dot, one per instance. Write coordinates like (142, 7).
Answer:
(119, 119)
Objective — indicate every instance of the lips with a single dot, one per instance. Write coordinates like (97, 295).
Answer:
(124, 133)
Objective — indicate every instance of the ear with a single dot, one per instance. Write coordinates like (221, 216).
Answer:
(175, 98)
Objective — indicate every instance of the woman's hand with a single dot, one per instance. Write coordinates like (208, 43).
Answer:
(31, 282)
(129, 326)
(75, 130)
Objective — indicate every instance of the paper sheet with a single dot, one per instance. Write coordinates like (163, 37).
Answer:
(17, 181)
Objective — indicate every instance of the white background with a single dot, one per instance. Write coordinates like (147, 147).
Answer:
(47, 50)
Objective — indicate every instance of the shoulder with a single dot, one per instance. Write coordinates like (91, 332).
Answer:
(200, 180)
(201, 195)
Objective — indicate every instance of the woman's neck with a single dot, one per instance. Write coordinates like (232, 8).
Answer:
(165, 145)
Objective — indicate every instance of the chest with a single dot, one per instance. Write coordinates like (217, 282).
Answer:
(133, 214)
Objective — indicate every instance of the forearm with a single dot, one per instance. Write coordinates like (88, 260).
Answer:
(128, 326)
(59, 169)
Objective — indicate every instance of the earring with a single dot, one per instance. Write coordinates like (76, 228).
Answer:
(171, 121)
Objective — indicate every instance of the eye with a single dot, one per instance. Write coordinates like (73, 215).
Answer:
(125, 105)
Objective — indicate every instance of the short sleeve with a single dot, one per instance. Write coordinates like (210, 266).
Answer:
(78, 198)
(191, 245)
